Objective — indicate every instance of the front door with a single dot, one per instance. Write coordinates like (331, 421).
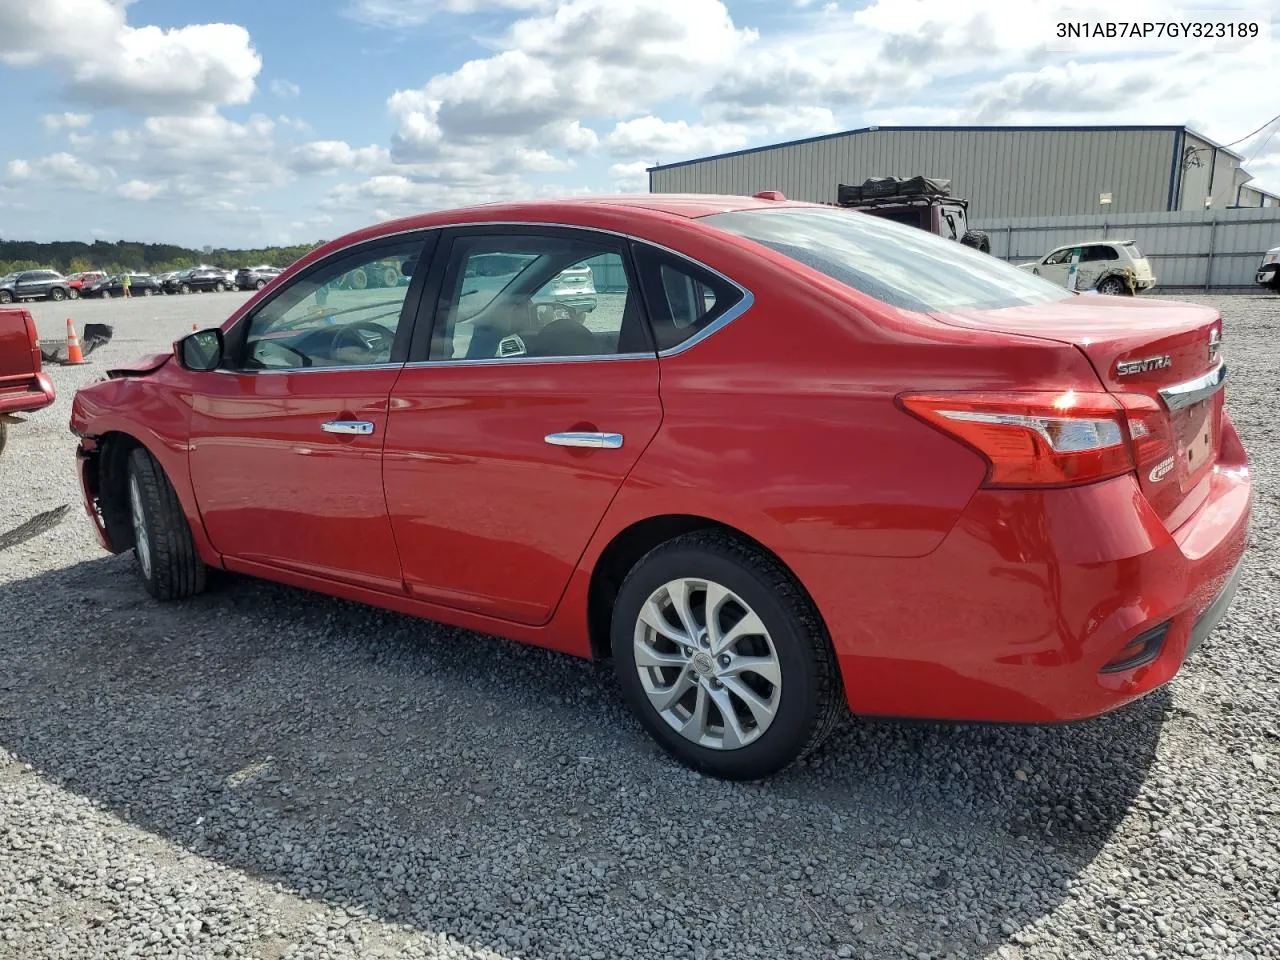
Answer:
(533, 398)
(286, 443)
(1054, 267)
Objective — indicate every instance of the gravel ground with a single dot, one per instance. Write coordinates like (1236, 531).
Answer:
(268, 773)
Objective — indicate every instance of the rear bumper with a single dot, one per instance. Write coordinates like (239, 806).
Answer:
(1039, 606)
(34, 395)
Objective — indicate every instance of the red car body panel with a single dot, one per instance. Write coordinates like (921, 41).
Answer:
(23, 384)
(944, 597)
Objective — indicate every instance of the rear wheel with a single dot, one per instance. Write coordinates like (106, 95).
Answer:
(185, 288)
(260, 284)
(977, 239)
(73, 293)
(57, 294)
(1113, 287)
(163, 548)
(147, 291)
(723, 658)
(219, 287)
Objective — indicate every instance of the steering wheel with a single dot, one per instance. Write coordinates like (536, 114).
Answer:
(363, 335)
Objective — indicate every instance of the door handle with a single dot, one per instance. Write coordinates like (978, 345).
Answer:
(597, 441)
(351, 428)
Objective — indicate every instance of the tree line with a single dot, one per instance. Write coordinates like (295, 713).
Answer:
(121, 256)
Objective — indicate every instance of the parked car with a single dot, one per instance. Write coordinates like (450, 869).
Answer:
(197, 280)
(1114, 267)
(1269, 270)
(255, 278)
(140, 285)
(23, 385)
(34, 285)
(164, 278)
(812, 461)
(572, 289)
(76, 282)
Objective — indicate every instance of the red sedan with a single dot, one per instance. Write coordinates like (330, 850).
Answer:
(791, 459)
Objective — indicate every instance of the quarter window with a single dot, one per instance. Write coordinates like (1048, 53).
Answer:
(541, 296)
(347, 312)
(683, 298)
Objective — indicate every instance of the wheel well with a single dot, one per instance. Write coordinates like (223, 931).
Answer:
(112, 488)
(624, 552)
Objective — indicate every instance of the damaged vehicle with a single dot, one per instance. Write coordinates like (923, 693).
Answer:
(1113, 267)
(23, 385)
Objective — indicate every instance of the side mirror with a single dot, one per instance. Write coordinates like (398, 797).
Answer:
(200, 351)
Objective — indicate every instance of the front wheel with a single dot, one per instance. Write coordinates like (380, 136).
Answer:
(6, 296)
(57, 294)
(147, 291)
(73, 294)
(219, 287)
(163, 547)
(723, 658)
(260, 284)
(185, 288)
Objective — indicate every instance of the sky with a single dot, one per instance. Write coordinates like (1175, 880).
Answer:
(243, 123)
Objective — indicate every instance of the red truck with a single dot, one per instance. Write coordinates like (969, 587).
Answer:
(23, 385)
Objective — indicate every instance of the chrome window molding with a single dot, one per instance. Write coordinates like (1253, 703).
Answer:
(526, 361)
(737, 310)
(1179, 396)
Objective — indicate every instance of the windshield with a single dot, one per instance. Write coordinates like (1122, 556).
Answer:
(894, 264)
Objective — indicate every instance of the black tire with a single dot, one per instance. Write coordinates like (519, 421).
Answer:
(1274, 282)
(57, 294)
(6, 296)
(1113, 286)
(219, 287)
(4, 435)
(977, 239)
(260, 284)
(811, 699)
(73, 293)
(184, 289)
(147, 291)
(171, 569)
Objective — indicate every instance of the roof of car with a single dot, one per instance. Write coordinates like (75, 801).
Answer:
(1091, 243)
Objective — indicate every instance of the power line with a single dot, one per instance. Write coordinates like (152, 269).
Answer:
(1259, 130)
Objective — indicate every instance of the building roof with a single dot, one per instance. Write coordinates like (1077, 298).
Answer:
(1099, 128)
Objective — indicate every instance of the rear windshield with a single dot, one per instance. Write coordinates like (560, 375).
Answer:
(895, 264)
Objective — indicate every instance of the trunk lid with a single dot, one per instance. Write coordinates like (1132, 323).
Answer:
(1161, 360)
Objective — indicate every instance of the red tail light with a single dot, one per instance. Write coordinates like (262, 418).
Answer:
(1034, 439)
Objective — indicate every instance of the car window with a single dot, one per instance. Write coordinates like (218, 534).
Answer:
(905, 268)
(1098, 252)
(684, 298)
(509, 296)
(345, 312)
(1058, 257)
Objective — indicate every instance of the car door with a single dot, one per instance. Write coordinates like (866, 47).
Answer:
(29, 284)
(286, 439)
(517, 419)
(1055, 266)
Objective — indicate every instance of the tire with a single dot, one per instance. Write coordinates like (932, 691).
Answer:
(73, 293)
(1113, 287)
(57, 294)
(1274, 282)
(807, 700)
(4, 436)
(977, 239)
(260, 284)
(184, 289)
(359, 280)
(6, 296)
(390, 277)
(219, 287)
(164, 551)
(147, 291)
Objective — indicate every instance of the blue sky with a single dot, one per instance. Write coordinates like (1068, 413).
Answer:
(244, 123)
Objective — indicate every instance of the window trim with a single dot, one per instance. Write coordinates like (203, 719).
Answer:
(425, 327)
(745, 302)
(237, 336)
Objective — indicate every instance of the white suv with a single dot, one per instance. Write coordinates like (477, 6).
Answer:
(1107, 266)
(1269, 270)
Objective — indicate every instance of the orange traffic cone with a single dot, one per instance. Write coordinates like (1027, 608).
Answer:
(74, 356)
(195, 327)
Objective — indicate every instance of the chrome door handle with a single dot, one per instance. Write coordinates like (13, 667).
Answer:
(352, 428)
(597, 441)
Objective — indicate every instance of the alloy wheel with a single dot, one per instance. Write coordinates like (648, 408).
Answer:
(141, 541)
(707, 664)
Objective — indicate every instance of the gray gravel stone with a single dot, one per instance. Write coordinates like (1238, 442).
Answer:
(268, 773)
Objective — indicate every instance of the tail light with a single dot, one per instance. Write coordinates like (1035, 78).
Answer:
(1034, 439)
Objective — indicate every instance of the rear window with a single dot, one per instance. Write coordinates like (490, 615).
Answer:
(897, 265)
(1133, 250)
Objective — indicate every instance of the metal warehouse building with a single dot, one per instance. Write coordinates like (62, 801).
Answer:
(1004, 172)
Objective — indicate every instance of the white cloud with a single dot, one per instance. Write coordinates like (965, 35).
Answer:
(140, 190)
(54, 122)
(631, 177)
(652, 137)
(284, 89)
(106, 63)
(414, 13)
(332, 156)
(60, 168)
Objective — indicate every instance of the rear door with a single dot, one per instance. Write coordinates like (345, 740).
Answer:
(517, 419)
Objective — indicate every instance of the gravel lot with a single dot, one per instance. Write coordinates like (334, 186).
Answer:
(268, 773)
